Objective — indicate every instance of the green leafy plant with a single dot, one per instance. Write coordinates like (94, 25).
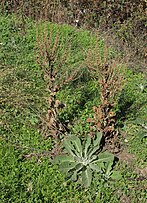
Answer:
(83, 159)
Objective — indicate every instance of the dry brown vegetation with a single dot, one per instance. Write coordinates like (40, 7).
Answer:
(110, 76)
(53, 57)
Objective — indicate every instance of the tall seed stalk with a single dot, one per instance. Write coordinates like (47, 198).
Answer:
(53, 57)
(110, 75)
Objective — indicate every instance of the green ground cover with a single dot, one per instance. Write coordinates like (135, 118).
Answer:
(23, 101)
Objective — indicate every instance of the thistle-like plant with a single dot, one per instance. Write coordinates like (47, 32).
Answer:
(82, 159)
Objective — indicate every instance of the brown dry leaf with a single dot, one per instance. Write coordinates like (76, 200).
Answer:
(89, 120)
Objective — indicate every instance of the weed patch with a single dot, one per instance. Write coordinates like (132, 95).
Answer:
(27, 173)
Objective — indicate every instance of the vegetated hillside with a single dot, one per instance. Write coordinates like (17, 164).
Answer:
(124, 21)
(27, 174)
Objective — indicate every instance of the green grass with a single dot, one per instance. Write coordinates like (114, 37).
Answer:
(23, 100)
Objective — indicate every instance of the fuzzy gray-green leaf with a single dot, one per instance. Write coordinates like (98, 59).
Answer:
(87, 177)
(93, 158)
(97, 141)
(92, 151)
(95, 167)
(69, 147)
(67, 166)
(78, 167)
(74, 176)
(77, 142)
(64, 158)
(96, 144)
(108, 166)
(105, 157)
(87, 145)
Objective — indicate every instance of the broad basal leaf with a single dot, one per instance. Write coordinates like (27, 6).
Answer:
(64, 158)
(105, 157)
(99, 164)
(96, 144)
(108, 167)
(77, 142)
(87, 177)
(67, 166)
(92, 151)
(74, 176)
(97, 140)
(95, 167)
(78, 167)
(69, 147)
(87, 145)
(93, 158)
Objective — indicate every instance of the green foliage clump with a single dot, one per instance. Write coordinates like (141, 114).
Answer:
(134, 96)
(85, 159)
(34, 180)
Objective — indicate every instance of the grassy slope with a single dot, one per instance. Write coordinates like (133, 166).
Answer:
(23, 99)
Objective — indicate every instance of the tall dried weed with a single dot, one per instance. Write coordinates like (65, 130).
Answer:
(110, 75)
(53, 57)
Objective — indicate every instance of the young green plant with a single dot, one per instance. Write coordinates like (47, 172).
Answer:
(82, 160)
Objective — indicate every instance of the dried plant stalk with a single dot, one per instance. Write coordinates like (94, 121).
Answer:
(110, 79)
(53, 57)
